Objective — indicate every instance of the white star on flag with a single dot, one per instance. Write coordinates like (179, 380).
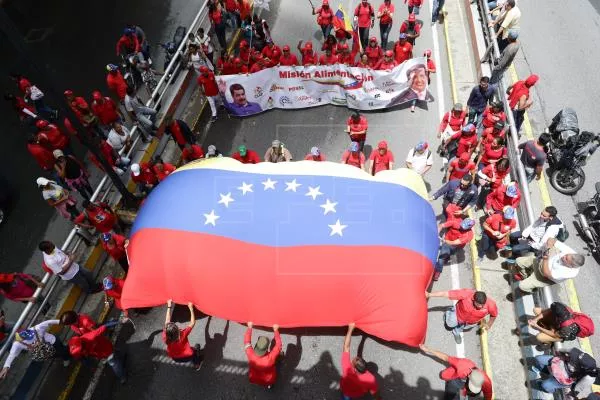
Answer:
(269, 184)
(328, 207)
(293, 185)
(245, 188)
(226, 199)
(211, 218)
(313, 192)
(337, 228)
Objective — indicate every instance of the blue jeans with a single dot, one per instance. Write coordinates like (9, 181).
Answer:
(485, 244)
(414, 9)
(444, 255)
(326, 29)
(437, 7)
(117, 366)
(384, 29)
(452, 322)
(519, 249)
(550, 384)
(43, 109)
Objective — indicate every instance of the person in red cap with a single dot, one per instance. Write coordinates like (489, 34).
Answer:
(460, 166)
(489, 134)
(178, 344)
(345, 56)
(385, 13)
(78, 323)
(402, 49)
(309, 56)
(114, 245)
(115, 81)
(356, 380)
(519, 98)
(364, 18)
(42, 154)
(411, 28)
(191, 152)
(209, 88)
(19, 287)
(162, 169)
(357, 126)
(387, 63)
(97, 215)
(52, 137)
(95, 345)
(238, 66)
(179, 130)
(382, 159)
(452, 122)
(374, 52)
(328, 58)
(261, 362)
(246, 156)
(431, 68)
(287, 58)
(490, 178)
(324, 18)
(113, 289)
(105, 109)
(272, 53)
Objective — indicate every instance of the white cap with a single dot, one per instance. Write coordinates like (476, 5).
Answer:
(58, 154)
(135, 169)
(41, 181)
(212, 150)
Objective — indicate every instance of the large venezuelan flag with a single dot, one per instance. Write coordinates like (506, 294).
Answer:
(300, 244)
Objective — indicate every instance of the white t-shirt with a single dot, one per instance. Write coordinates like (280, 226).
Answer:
(55, 193)
(205, 41)
(511, 21)
(116, 140)
(40, 329)
(538, 233)
(558, 271)
(419, 161)
(57, 260)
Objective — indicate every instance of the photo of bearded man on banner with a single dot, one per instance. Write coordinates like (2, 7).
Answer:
(417, 89)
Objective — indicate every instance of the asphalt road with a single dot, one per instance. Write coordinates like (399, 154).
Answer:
(556, 40)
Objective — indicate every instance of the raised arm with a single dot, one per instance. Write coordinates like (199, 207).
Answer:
(348, 337)
(169, 307)
(192, 315)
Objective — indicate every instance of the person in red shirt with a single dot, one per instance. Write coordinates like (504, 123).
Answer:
(491, 177)
(357, 127)
(324, 18)
(492, 114)
(245, 51)
(79, 323)
(414, 6)
(105, 109)
(215, 14)
(502, 196)
(363, 61)
(497, 228)
(466, 142)
(489, 134)
(179, 130)
(114, 160)
(387, 63)
(24, 110)
(99, 216)
(403, 49)
(385, 14)
(115, 244)
(364, 18)
(373, 52)
(259, 63)
(382, 159)
(239, 67)
(261, 361)
(411, 28)
(328, 58)
(431, 68)
(191, 152)
(356, 381)
(162, 169)
(345, 56)
(225, 63)
(113, 289)
(309, 56)
(209, 88)
(330, 43)
(143, 175)
(81, 108)
(178, 344)
(42, 155)
(452, 122)
(246, 156)
(459, 232)
(492, 152)
(19, 287)
(115, 81)
(463, 376)
(471, 308)
(128, 44)
(272, 53)
(315, 155)
(519, 98)
(288, 59)
(353, 156)
(232, 13)
(460, 166)
(50, 136)
(94, 344)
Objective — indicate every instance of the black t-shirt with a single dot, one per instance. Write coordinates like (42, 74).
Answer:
(72, 169)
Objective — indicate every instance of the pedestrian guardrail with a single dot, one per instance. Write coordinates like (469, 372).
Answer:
(72, 242)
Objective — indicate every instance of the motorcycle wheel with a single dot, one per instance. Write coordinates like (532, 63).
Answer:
(567, 181)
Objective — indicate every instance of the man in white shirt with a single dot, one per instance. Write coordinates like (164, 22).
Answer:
(556, 263)
(26, 338)
(509, 21)
(420, 158)
(119, 136)
(67, 269)
(140, 113)
(537, 234)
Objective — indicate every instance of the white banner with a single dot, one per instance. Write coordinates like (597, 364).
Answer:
(302, 87)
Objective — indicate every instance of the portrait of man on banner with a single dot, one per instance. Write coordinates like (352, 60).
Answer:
(239, 106)
(417, 86)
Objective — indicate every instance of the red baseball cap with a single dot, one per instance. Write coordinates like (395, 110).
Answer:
(68, 93)
(464, 157)
(373, 39)
(308, 45)
(243, 43)
(382, 145)
(389, 53)
(237, 60)
(286, 48)
(204, 69)
(412, 17)
(96, 95)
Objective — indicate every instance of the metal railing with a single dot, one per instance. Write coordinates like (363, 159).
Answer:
(162, 88)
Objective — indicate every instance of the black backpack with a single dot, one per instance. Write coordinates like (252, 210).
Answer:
(563, 233)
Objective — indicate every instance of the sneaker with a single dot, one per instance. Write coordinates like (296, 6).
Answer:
(66, 363)
(213, 118)
(457, 336)
(412, 109)
(436, 276)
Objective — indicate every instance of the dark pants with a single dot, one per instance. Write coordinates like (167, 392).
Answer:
(61, 350)
(72, 209)
(384, 29)
(85, 281)
(220, 32)
(124, 263)
(453, 388)
(519, 249)
(437, 7)
(444, 255)
(85, 189)
(44, 110)
(363, 33)
(483, 193)
(485, 244)
(519, 116)
(326, 29)
(196, 358)
(414, 9)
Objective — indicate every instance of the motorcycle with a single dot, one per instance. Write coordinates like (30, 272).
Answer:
(171, 51)
(588, 221)
(567, 151)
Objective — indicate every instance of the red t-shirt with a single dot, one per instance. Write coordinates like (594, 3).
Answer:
(402, 52)
(118, 250)
(490, 154)
(416, 27)
(488, 135)
(457, 171)
(498, 223)
(181, 348)
(241, 69)
(364, 14)
(310, 157)
(101, 218)
(272, 53)
(42, 155)
(455, 122)
(161, 174)
(351, 159)
(54, 137)
(117, 84)
(24, 85)
(430, 65)
(346, 58)
(194, 153)
(498, 199)
(328, 60)
(383, 65)
(209, 84)
(251, 157)
(116, 292)
(362, 125)
(354, 384)
(385, 18)
(105, 111)
(325, 15)
(84, 324)
(225, 66)
(460, 368)
(262, 370)
(231, 5)
(466, 143)
(454, 232)
(256, 67)
(374, 54)
(146, 175)
(309, 58)
(177, 134)
(91, 344)
(290, 60)
(490, 170)
(489, 118)
(216, 16)
(466, 313)
(381, 162)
